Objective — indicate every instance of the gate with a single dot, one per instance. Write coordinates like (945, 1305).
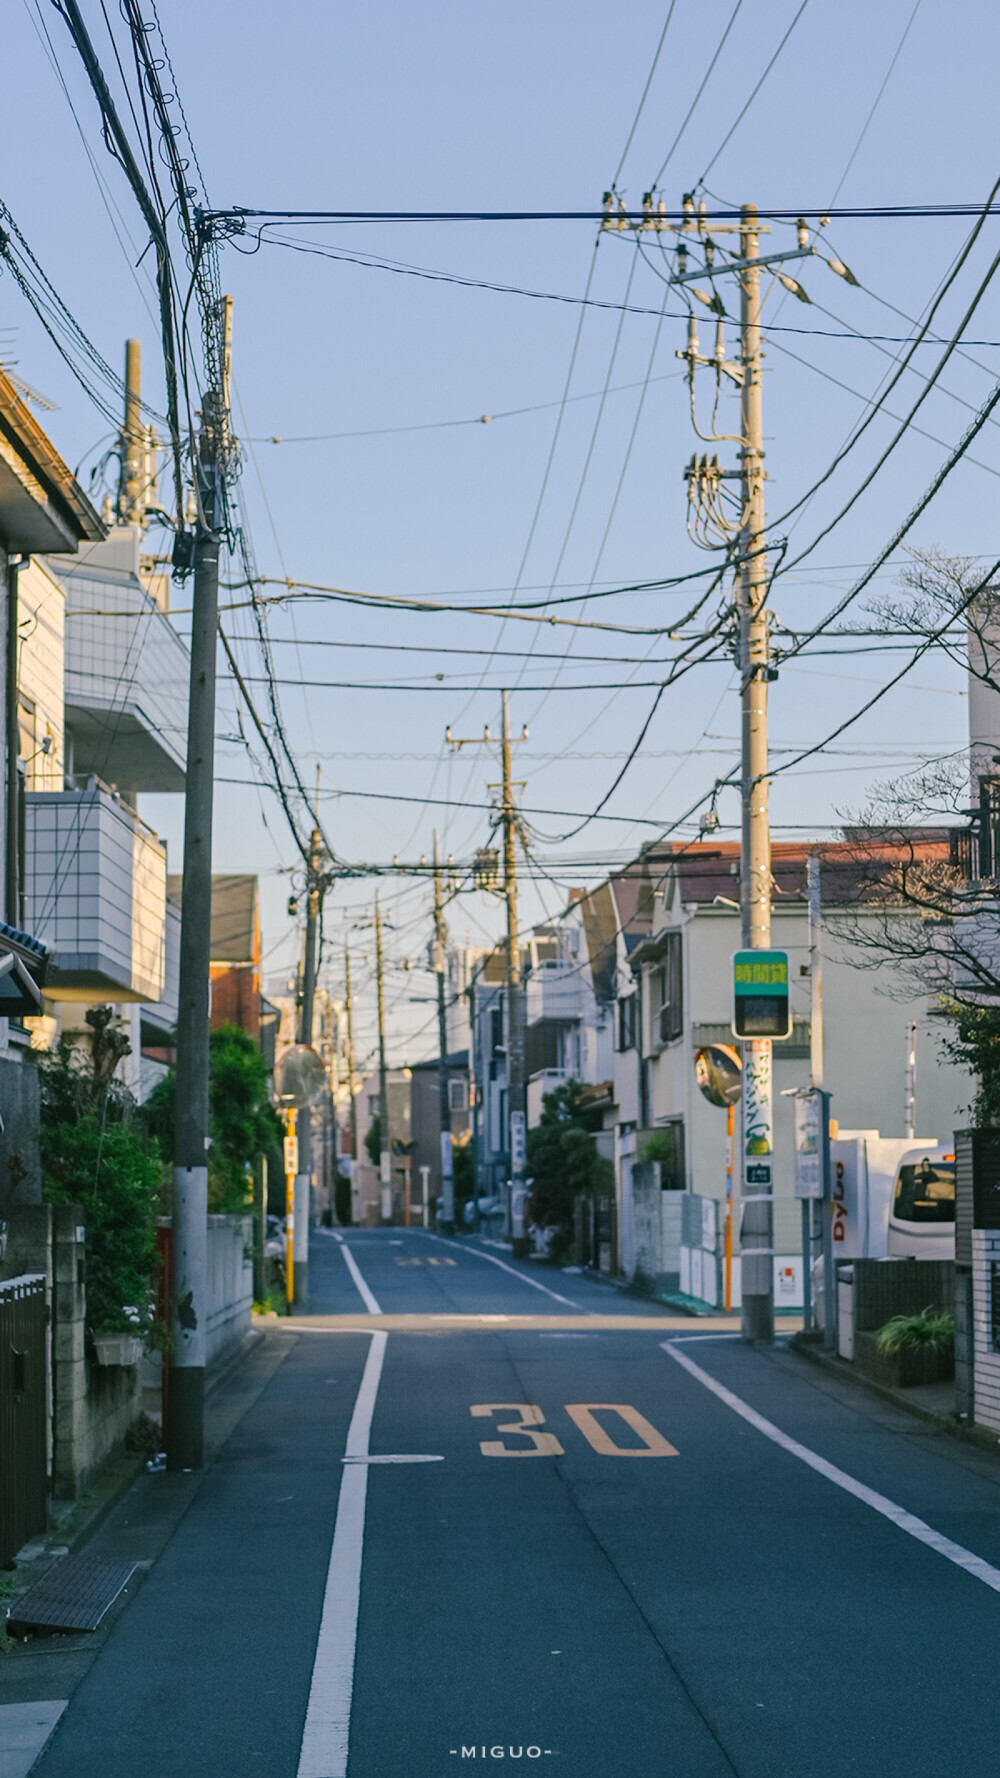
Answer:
(22, 1412)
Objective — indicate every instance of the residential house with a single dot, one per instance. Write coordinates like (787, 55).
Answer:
(683, 1000)
(367, 1199)
(43, 512)
(425, 1123)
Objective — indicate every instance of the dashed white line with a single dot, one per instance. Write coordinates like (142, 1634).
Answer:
(879, 1503)
(363, 1291)
(504, 1267)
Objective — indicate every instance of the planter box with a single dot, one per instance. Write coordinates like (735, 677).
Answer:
(117, 1348)
(905, 1369)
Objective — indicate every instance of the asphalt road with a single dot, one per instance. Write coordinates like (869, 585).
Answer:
(584, 1551)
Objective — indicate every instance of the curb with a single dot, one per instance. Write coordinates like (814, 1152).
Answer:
(967, 1433)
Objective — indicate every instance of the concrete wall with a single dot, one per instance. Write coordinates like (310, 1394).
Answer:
(986, 1359)
(20, 1169)
(230, 1283)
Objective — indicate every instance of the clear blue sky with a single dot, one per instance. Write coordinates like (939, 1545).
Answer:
(521, 105)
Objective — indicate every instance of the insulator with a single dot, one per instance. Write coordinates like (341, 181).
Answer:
(622, 215)
(661, 216)
(802, 227)
(692, 336)
(720, 341)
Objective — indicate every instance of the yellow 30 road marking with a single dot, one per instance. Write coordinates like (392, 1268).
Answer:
(584, 1416)
(543, 1444)
(441, 1262)
(582, 1413)
(408, 1262)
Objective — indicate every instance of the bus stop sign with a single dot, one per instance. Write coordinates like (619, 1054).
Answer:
(760, 997)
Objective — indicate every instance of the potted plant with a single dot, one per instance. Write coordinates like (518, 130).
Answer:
(918, 1348)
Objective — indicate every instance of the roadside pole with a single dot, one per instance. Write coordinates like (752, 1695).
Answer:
(757, 1209)
(444, 1105)
(186, 1394)
(291, 1158)
(385, 1162)
(814, 895)
(303, 1178)
(516, 1096)
(350, 1075)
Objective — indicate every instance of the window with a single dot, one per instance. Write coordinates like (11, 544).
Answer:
(628, 1024)
(670, 1154)
(496, 1028)
(925, 1193)
(667, 1004)
(458, 1095)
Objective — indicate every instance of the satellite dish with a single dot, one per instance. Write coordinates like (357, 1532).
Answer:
(719, 1073)
(300, 1076)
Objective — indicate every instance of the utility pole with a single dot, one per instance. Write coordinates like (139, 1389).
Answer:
(385, 1159)
(447, 1153)
(910, 1107)
(815, 903)
(515, 995)
(350, 1074)
(757, 1227)
(186, 1394)
(303, 1178)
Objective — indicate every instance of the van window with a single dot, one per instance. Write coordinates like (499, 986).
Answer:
(925, 1193)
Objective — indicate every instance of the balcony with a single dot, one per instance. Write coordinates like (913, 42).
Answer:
(95, 895)
(126, 674)
(554, 991)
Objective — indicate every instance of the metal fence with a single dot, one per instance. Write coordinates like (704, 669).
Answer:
(22, 1412)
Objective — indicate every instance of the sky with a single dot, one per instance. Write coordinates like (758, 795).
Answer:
(402, 489)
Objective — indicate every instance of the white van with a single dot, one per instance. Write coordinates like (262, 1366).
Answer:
(922, 1211)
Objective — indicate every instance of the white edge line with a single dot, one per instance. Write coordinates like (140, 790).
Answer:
(879, 1503)
(327, 1730)
(504, 1267)
(363, 1291)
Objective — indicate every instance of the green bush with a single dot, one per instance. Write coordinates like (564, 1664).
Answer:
(243, 1122)
(95, 1153)
(564, 1164)
(932, 1330)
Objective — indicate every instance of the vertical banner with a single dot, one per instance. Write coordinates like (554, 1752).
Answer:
(757, 1182)
(809, 1144)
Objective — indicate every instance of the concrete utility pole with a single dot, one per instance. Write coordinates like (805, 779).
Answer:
(310, 968)
(757, 1226)
(444, 1103)
(350, 1071)
(515, 993)
(910, 1107)
(815, 903)
(385, 1158)
(132, 492)
(186, 1391)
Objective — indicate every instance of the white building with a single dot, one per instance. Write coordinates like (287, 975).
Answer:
(683, 999)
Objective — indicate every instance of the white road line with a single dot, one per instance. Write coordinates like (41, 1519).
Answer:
(327, 1731)
(879, 1503)
(504, 1267)
(352, 1266)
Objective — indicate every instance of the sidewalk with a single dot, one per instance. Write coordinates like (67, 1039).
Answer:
(931, 1402)
(38, 1677)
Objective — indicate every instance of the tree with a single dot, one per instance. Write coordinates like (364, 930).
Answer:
(373, 1141)
(242, 1121)
(96, 1152)
(563, 1163)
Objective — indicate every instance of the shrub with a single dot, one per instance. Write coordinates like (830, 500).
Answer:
(932, 1330)
(243, 1122)
(96, 1154)
(564, 1164)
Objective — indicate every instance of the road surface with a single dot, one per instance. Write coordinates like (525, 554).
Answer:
(484, 1511)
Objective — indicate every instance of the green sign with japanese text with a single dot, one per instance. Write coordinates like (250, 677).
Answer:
(760, 994)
